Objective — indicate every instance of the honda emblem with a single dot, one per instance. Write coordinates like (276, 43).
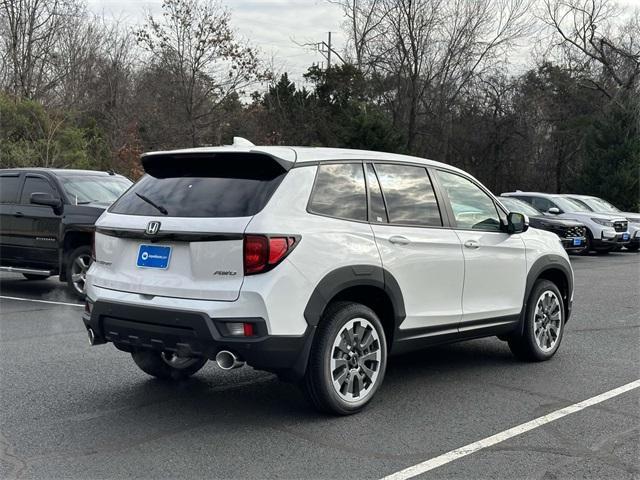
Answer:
(152, 228)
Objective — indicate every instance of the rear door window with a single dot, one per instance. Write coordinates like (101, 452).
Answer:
(230, 186)
(409, 195)
(36, 185)
(9, 188)
(339, 191)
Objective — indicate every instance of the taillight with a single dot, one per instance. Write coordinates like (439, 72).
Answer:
(262, 253)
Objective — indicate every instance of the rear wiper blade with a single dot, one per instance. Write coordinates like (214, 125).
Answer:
(160, 208)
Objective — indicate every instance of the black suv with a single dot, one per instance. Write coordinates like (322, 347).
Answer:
(573, 235)
(47, 220)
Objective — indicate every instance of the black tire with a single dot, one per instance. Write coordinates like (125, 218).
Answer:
(152, 363)
(604, 251)
(525, 347)
(318, 381)
(33, 276)
(81, 253)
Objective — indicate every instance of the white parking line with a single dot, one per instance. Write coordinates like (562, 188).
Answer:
(448, 457)
(42, 301)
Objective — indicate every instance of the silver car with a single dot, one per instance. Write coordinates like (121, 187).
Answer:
(600, 205)
(605, 231)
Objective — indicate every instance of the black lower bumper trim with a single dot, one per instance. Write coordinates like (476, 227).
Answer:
(132, 328)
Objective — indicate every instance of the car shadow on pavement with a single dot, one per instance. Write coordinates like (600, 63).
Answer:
(212, 396)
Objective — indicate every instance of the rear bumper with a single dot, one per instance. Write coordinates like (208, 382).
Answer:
(134, 327)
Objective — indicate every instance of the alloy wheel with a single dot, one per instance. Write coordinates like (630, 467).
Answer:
(547, 323)
(79, 271)
(355, 360)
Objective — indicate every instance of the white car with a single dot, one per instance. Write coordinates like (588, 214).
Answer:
(316, 264)
(605, 231)
(599, 205)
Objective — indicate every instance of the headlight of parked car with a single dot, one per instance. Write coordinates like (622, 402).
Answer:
(605, 223)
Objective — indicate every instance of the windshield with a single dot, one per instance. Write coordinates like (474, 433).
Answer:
(568, 205)
(94, 188)
(515, 205)
(599, 205)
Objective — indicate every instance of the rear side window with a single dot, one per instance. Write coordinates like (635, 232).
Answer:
(217, 186)
(377, 211)
(36, 185)
(9, 187)
(409, 195)
(340, 192)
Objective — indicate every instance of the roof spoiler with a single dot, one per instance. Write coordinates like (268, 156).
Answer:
(161, 163)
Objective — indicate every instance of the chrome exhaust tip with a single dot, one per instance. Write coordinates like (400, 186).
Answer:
(227, 360)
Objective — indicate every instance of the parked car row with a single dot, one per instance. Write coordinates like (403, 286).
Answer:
(312, 263)
(593, 223)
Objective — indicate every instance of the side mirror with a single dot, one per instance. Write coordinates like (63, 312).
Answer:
(554, 210)
(46, 199)
(517, 222)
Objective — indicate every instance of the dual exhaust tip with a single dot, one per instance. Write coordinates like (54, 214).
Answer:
(225, 359)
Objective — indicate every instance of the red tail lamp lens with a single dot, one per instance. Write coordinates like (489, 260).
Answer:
(261, 253)
(248, 329)
(256, 253)
(278, 247)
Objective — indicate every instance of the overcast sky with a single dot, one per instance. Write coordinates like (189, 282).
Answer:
(275, 26)
(271, 25)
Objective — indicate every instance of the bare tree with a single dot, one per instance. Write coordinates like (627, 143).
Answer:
(426, 52)
(589, 40)
(195, 43)
(365, 25)
(30, 33)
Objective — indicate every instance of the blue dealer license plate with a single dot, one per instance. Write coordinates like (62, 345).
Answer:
(153, 256)
(577, 241)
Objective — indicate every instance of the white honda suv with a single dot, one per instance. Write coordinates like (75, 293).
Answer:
(316, 264)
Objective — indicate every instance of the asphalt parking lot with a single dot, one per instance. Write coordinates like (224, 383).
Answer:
(69, 410)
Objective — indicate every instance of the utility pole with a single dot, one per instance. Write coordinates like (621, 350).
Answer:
(326, 49)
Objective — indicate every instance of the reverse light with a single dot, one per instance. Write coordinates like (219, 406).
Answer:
(262, 253)
(240, 329)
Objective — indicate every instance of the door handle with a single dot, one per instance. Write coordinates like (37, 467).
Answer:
(18, 214)
(399, 240)
(472, 244)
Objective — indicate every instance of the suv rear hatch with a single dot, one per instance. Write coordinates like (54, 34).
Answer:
(179, 231)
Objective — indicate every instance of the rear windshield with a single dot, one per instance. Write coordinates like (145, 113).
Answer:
(203, 186)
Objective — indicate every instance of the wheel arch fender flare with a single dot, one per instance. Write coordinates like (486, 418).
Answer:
(550, 266)
(346, 277)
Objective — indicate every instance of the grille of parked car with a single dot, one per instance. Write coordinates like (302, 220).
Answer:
(620, 226)
(576, 231)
